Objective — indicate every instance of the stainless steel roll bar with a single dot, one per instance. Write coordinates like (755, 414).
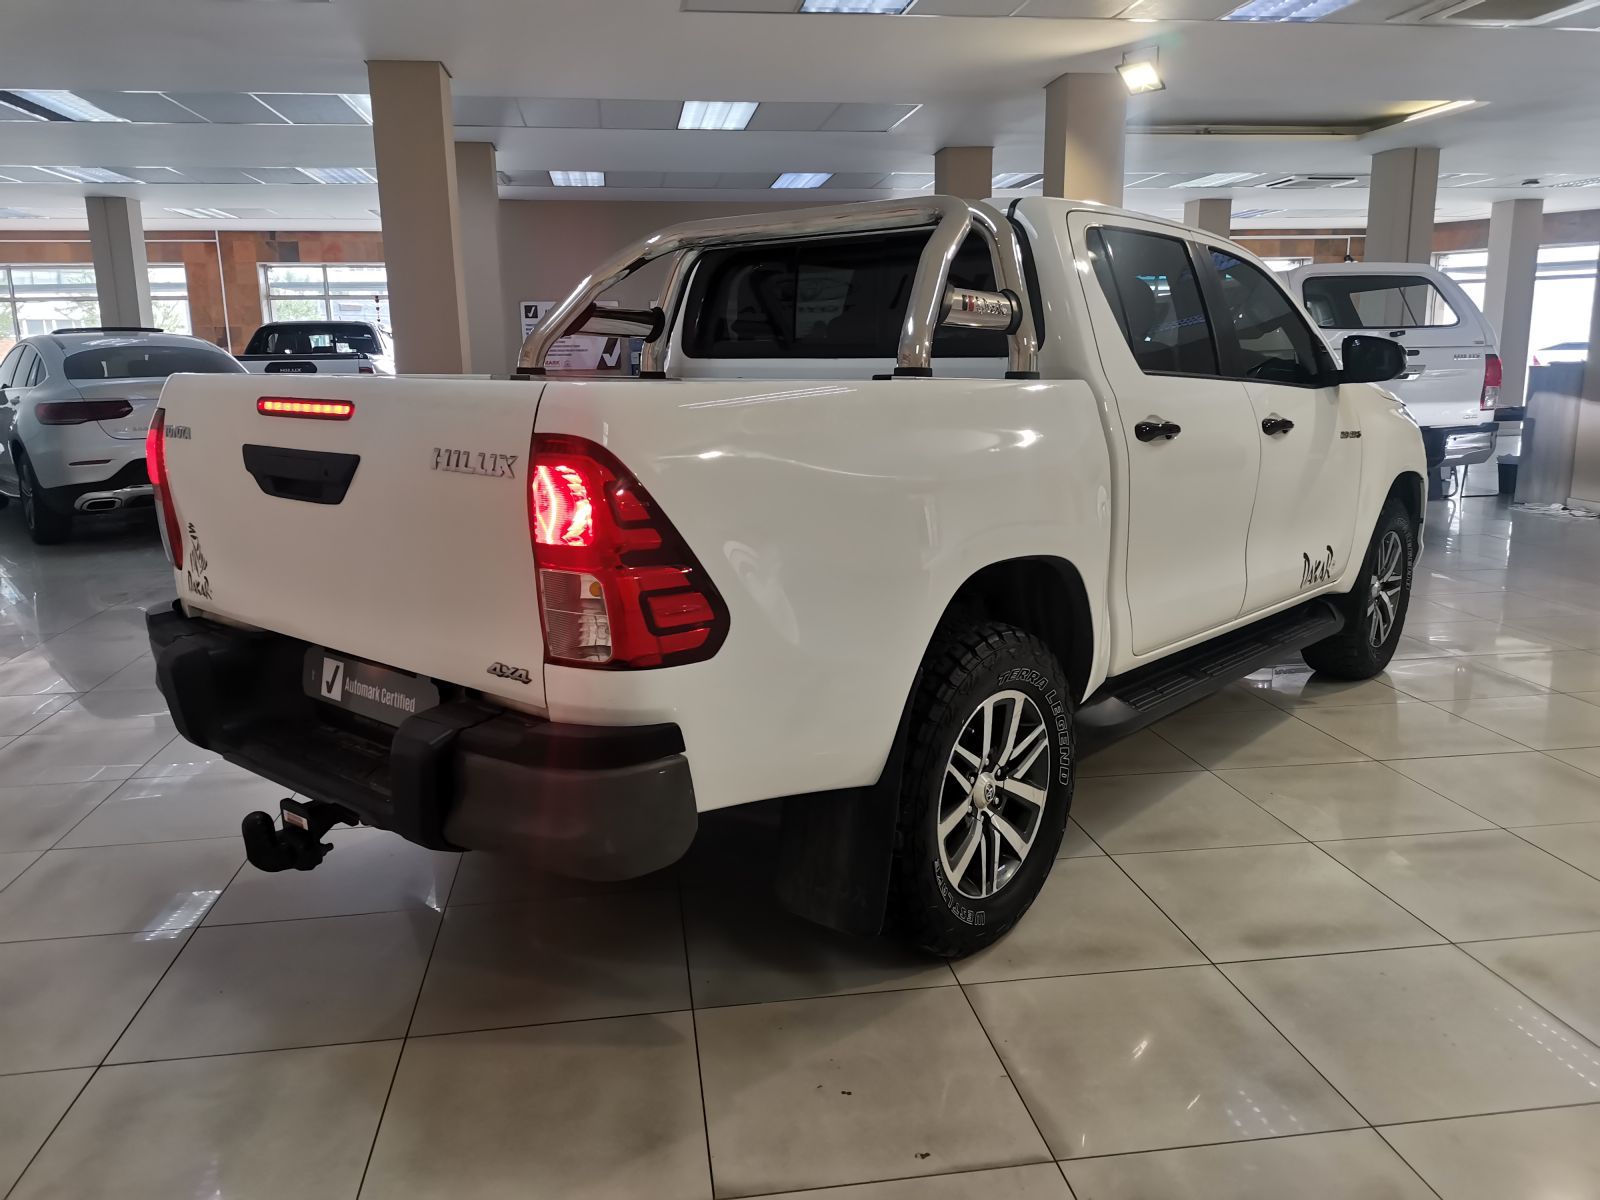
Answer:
(932, 301)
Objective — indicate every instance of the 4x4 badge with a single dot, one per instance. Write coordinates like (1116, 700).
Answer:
(501, 671)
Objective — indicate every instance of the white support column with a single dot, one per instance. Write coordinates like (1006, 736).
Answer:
(964, 171)
(478, 190)
(121, 270)
(1214, 215)
(1515, 230)
(413, 137)
(1586, 452)
(1405, 184)
(1084, 141)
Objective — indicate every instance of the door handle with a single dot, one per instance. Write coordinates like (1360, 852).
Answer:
(1274, 425)
(1150, 431)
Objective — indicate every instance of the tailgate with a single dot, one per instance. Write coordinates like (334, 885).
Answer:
(422, 561)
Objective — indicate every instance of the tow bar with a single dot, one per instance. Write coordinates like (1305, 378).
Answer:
(296, 844)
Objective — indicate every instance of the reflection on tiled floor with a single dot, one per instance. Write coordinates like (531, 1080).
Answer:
(1311, 939)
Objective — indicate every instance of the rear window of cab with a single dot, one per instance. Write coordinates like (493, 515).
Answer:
(1376, 302)
(147, 362)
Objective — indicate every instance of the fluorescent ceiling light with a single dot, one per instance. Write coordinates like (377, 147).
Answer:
(1015, 179)
(74, 108)
(1447, 106)
(360, 103)
(716, 114)
(214, 214)
(1286, 10)
(339, 174)
(856, 6)
(1245, 214)
(89, 174)
(1140, 77)
(1220, 179)
(578, 178)
(803, 179)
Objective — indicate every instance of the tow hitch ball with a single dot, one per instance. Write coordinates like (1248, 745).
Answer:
(296, 844)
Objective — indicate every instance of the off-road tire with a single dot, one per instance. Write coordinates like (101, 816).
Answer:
(1356, 652)
(970, 663)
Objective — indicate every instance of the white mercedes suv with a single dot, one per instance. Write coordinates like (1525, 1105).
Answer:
(75, 405)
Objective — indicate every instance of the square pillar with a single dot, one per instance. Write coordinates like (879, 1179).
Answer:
(478, 190)
(121, 270)
(1400, 203)
(1084, 117)
(964, 171)
(1586, 451)
(413, 136)
(1515, 229)
(1211, 214)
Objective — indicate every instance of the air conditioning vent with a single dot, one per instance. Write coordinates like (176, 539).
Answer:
(1510, 12)
(1308, 182)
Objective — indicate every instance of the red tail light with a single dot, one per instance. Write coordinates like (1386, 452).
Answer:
(618, 588)
(155, 465)
(81, 412)
(1492, 372)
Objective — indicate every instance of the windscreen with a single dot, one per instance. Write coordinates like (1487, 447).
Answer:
(825, 298)
(314, 339)
(148, 362)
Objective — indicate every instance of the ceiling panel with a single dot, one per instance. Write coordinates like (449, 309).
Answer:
(562, 114)
(1073, 8)
(156, 174)
(857, 179)
(280, 175)
(689, 179)
(526, 178)
(798, 116)
(1370, 12)
(780, 6)
(150, 107)
(633, 179)
(227, 108)
(639, 114)
(909, 181)
(1178, 10)
(30, 175)
(223, 175)
(746, 180)
(252, 213)
(966, 8)
(7, 113)
(866, 118)
(312, 109)
(487, 112)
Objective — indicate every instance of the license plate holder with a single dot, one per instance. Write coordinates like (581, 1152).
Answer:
(357, 686)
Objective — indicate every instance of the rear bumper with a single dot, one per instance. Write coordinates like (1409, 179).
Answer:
(594, 802)
(1459, 445)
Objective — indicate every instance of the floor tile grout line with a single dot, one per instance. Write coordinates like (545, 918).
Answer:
(694, 1031)
(1546, 850)
(1411, 1166)
(1016, 1088)
(1540, 1005)
(45, 1141)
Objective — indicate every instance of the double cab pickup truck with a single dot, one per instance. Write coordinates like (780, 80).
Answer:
(319, 348)
(912, 504)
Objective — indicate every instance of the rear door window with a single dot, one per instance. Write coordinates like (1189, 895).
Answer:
(1149, 281)
(825, 298)
(1377, 302)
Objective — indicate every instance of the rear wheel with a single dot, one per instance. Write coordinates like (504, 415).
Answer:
(986, 789)
(1375, 609)
(46, 524)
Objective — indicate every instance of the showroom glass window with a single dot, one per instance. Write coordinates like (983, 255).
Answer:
(37, 299)
(832, 298)
(169, 298)
(1563, 293)
(1376, 302)
(1149, 281)
(326, 292)
(1275, 343)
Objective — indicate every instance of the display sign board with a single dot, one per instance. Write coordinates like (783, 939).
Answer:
(575, 352)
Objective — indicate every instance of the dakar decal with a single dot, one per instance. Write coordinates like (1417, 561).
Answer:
(501, 671)
(195, 566)
(1318, 571)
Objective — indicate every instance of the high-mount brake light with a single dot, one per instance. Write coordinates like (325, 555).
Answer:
(618, 587)
(314, 410)
(155, 465)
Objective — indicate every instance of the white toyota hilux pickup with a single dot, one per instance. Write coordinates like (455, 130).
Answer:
(913, 502)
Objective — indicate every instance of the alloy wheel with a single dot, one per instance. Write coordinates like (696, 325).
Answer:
(1383, 604)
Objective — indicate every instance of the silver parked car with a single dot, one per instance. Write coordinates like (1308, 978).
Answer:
(74, 409)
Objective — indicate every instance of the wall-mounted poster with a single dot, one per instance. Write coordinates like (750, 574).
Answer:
(576, 352)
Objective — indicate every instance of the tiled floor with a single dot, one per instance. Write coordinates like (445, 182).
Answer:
(1310, 939)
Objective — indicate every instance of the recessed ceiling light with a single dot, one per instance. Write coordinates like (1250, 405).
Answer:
(205, 214)
(1245, 214)
(578, 178)
(1286, 10)
(89, 174)
(856, 6)
(1221, 179)
(1140, 77)
(68, 105)
(1437, 109)
(360, 102)
(802, 179)
(1015, 179)
(716, 114)
(339, 174)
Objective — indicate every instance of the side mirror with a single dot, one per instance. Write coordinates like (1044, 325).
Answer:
(1370, 359)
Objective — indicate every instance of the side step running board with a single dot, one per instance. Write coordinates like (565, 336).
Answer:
(1125, 703)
